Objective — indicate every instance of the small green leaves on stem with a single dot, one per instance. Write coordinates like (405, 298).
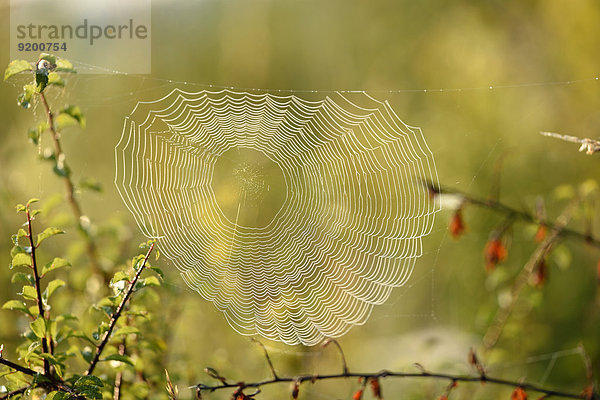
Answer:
(139, 266)
(57, 263)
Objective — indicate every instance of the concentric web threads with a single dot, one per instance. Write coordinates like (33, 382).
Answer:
(293, 217)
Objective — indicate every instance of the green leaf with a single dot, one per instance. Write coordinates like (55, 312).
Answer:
(102, 328)
(15, 305)
(87, 354)
(18, 379)
(54, 360)
(21, 260)
(120, 276)
(19, 250)
(21, 277)
(67, 317)
(21, 233)
(90, 184)
(63, 65)
(16, 67)
(38, 327)
(119, 357)
(29, 293)
(59, 396)
(31, 201)
(81, 335)
(33, 135)
(151, 281)
(88, 380)
(55, 79)
(30, 353)
(70, 116)
(90, 392)
(52, 328)
(52, 286)
(158, 271)
(48, 232)
(51, 359)
(126, 330)
(61, 169)
(54, 265)
(20, 208)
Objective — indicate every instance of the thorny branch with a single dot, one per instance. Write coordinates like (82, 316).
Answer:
(117, 314)
(296, 381)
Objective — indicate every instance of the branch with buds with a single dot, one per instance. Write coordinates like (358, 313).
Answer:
(373, 379)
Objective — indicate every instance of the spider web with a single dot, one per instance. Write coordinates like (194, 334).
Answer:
(294, 217)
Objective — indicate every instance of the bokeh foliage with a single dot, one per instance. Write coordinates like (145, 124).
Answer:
(375, 46)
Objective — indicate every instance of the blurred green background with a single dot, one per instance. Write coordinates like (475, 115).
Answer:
(474, 135)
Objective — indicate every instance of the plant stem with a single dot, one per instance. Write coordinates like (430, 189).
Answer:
(117, 314)
(500, 207)
(91, 250)
(38, 292)
(495, 329)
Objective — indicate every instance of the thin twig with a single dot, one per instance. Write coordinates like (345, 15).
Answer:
(516, 213)
(119, 376)
(38, 291)
(495, 329)
(590, 146)
(344, 364)
(70, 190)
(416, 375)
(267, 357)
(117, 314)
(14, 393)
(17, 367)
(589, 373)
(56, 382)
